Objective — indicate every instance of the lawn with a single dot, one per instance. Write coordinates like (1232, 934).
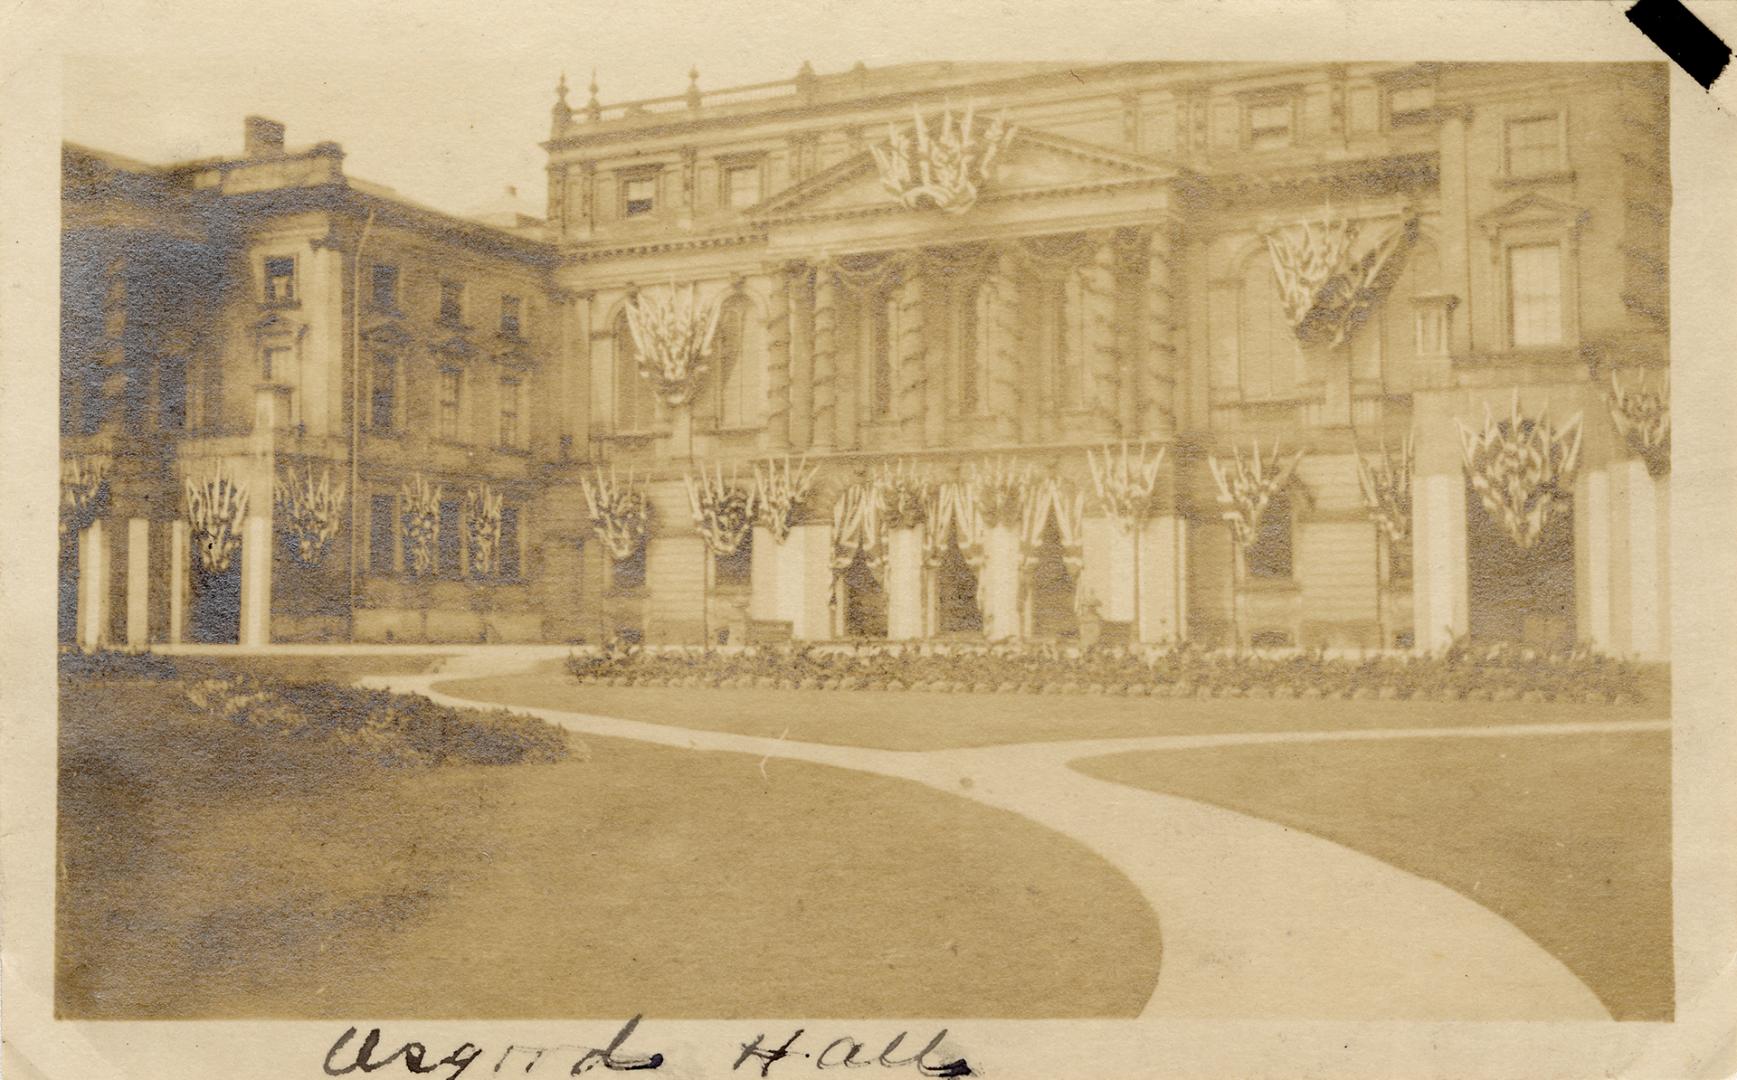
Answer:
(1566, 836)
(921, 720)
(212, 870)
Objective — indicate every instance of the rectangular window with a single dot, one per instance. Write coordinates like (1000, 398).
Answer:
(511, 388)
(510, 316)
(1535, 295)
(274, 363)
(1269, 555)
(509, 541)
(280, 280)
(640, 194)
(1269, 125)
(451, 382)
(1409, 104)
(452, 301)
(383, 394)
(380, 531)
(741, 186)
(448, 550)
(1534, 145)
(385, 287)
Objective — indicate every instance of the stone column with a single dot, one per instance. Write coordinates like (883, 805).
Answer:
(1116, 586)
(1001, 615)
(905, 583)
(1438, 562)
(912, 369)
(138, 582)
(180, 544)
(1162, 545)
(1006, 375)
(256, 579)
(806, 582)
(1101, 347)
(802, 359)
(93, 585)
(778, 361)
(1157, 367)
(824, 406)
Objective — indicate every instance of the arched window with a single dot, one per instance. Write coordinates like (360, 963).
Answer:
(1267, 350)
(633, 398)
(730, 399)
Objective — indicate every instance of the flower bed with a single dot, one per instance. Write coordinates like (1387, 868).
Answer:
(394, 730)
(1461, 672)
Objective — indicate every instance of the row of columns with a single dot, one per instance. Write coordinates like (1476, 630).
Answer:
(1123, 336)
(1140, 577)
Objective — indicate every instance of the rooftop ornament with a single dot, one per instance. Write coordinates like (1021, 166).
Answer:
(945, 168)
(1522, 469)
(673, 334)
(1326, 295)
(1642, 416)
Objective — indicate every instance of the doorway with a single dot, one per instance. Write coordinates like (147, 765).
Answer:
(1052, 590)
(956, 610)
(865, 601)
(1514, 594)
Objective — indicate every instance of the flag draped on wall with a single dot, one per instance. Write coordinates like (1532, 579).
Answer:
(1326, 295)
(308, 512)
(1522, 469)
(1385, 484)
(723, 510)
(619, 511)
(216, 507)
(1247, 485)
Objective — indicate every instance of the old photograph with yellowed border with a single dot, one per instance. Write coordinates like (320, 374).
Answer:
(1015, 539)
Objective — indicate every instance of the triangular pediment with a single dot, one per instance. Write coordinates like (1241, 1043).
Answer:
(1036, 164)
(1532, 207)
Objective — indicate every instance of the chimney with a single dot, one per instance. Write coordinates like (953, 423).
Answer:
(263, 138)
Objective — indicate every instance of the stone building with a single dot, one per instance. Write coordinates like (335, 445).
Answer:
(1357, 355)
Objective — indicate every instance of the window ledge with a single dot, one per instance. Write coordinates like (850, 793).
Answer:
(628, 436)
(1556, 176)
(1271, 584)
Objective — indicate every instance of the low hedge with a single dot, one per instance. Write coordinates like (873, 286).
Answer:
(393, 730)
(1461, 672)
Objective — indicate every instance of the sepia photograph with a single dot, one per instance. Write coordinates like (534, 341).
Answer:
(1159, 540)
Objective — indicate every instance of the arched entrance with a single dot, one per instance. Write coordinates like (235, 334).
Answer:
(1053, 589)
(1515, 594)
(865, 601)
(956, 609)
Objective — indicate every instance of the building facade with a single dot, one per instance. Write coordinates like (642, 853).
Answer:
(1359, 355)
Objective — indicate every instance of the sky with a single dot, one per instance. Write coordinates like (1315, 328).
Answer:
(447, 103)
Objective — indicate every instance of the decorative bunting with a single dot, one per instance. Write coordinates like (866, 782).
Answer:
(904, 495)
(781, 493)
(216, 507)
(1326, 296)
(308, 512)
(998, 489)
(945, 169)
(620, 513)
(1522, 469)
(482, 526)
(1127, 485)
(673, 334)
(419, 512)
(1247, 486)
(1051, 499)
(1642, 416)
(723, 511)
(84, 490)
(859, 528)
(1385, 483)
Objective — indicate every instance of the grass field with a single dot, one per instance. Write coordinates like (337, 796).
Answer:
(920, 720)
(1566, 836)
(210, 870)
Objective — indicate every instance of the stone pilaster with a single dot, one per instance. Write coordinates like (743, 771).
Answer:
(180, 547)
(1101, 332)
(93, 585)
(912, 369)
(778, 361)
(905, 603)
(1000, 592)
(1157, 367)
(1006, 387)
(138, 581)
(824, 406)
(256, 578)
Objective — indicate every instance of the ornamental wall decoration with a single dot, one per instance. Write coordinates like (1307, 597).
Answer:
(859, 530)
(216, 507)
(1248, 485)
(620, 512)
(1052, 500)
(308, 512)
(482, 527)
(1385, 484)
(673, 334)
(1127, 483)
(1522, 469)
(1642, 416)
(904, 495)
(419, 513)
(84, 492)
(999, 488)
(782, 489)
(1326, 294)
(953, 519)
(723, 510)
(946, 167)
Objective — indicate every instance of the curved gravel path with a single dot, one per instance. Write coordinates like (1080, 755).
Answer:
(1258, 920)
